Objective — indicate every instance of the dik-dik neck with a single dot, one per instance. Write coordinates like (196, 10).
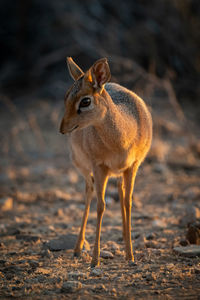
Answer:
(118, 128)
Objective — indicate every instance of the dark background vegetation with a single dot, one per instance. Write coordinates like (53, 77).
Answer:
(161, 36)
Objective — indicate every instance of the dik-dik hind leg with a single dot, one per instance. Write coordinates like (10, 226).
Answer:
(88, 197)
(129, 180)
(100, 179)
(121, 193)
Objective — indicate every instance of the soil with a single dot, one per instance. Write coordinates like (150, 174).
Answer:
(45, 200)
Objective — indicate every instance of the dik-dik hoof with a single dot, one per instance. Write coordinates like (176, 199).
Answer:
(132, 263)
(77, 254)
(94, 264)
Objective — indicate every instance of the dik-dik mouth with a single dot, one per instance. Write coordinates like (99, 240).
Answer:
(72, 129)
(69, 130)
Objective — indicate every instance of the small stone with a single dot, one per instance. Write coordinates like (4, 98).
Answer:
(6, 203)
(189, 251)
(184, 242)
(106, 254)
(152, 244)
(112, 246)
(46, 253)
(77, 275)
(96, 272)
(170, 266)
(99, 288)
(192, 193)
(158, 223)
(27, 238)
(160, 168)
(65, 242)
(150, 236)
(34, 264)
(12, 230)
(135, 235)
(132, 263)
(71, 287)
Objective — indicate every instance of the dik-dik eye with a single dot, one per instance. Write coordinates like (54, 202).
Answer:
(85, 102)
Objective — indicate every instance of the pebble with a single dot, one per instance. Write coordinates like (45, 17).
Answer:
(99, 288)
(71, 286)
(6, 203)
(152, 244)
(34, 264)
(96, 272)
(158, 223)
(65, 242)
(46, 253)
(159, 168)
(192, 193)
(112, 246)
(106, 254)
(77, 275)
(27, 238)
(150, 236)
(189, 251)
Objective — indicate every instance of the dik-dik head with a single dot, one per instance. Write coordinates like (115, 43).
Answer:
(85, 103)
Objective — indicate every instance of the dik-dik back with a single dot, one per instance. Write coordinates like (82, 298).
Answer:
(110, 131)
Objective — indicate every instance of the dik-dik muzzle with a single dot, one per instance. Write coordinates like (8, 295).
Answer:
(64, 127)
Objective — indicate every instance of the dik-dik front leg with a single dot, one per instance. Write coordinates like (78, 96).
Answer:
(129, 180)
(100, 180)
(88, 197)
(123, 211)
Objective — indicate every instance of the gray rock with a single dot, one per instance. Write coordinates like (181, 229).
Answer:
(189, 251)
(106, 254)
(77, 275)
(159, 223)
(65, 242)
(13, 230)
(71, 287)
(113, 246)
(150, 236)
(27, 238)
(96, 272)
(46, 253)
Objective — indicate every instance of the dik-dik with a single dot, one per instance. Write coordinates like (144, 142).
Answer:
(110, 132)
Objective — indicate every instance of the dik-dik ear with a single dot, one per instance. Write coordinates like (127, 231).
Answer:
(100, 72)
(74, 69)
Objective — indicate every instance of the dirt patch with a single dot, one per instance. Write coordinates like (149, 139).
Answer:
(42, 200)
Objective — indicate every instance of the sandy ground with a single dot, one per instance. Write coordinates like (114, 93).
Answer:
(42, 199)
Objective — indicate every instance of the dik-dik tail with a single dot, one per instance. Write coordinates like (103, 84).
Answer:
(110, 131)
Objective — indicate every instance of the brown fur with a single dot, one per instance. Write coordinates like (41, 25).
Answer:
(112, 139)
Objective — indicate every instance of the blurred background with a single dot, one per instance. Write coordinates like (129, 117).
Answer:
(152, 48)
